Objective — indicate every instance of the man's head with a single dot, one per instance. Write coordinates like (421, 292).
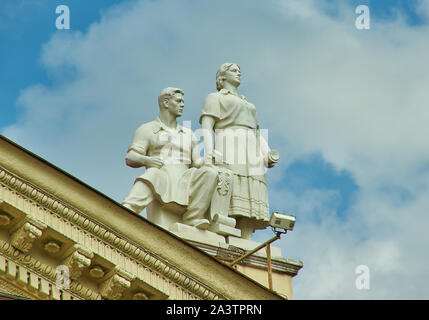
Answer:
(228, 72)
(171, 100)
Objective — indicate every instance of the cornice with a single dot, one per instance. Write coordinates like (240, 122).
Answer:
(280, 265)
(60, 211)
(40, 277)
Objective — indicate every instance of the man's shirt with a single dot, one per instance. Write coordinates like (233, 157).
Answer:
(173, 146)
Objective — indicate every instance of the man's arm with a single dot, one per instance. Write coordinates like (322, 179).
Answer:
(136, 160)
(137, 153)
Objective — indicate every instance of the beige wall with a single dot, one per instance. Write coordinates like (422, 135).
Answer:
(282, 282)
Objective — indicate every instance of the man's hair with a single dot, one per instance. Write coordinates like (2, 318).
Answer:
(167, 93)
(221, 73)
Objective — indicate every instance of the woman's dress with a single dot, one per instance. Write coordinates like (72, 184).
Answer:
(244, 149)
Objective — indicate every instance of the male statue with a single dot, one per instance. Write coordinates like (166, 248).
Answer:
(175, 175)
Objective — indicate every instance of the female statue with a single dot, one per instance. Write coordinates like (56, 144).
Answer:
(240, 147)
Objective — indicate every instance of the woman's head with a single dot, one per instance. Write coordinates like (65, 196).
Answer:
(222, 73)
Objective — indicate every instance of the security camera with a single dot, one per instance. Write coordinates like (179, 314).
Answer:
(282, 220)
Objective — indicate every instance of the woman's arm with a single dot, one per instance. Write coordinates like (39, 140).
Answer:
(207, 125)
(271, 157)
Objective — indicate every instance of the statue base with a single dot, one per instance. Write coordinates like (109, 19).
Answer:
(163, 215)
(191, 233)
(209, 237)
(224, 230)
(248, 245)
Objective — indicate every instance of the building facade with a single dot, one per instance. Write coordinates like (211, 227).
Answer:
(60, 239)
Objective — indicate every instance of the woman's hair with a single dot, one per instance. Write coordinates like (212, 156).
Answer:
(221, 72)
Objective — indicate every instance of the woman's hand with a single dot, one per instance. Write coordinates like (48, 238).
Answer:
(272, 158)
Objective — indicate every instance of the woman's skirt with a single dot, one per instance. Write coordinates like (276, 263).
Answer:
(249, 199)
(244, 151)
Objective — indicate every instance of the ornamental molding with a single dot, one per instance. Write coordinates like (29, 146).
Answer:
(100, 239)
(7, 287)
(36, 278)
(114, 287)
(79, 260)
(24, 237)
(224, 182)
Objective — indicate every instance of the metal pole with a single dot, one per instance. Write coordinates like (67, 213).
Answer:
(256, 249)
(270, 274)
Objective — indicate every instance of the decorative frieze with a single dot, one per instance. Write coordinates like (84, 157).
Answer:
(24, 237)
(37, 278)
(52, 247)
(11, 289)
(114, 286)
(4, 220)
(78, 261)
(102, 240)
(96, 272)
(140, 296)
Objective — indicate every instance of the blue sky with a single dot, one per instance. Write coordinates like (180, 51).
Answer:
(27, 25)
(24, 27)
(347, 110)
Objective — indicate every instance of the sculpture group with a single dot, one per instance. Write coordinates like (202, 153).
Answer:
(223, 192)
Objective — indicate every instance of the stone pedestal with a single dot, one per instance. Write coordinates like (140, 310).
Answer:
(250, 245)
(163, 216)
(224, 230)
(191, 233)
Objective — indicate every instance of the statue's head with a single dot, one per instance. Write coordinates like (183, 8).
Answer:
(171, 100)
(229, 72)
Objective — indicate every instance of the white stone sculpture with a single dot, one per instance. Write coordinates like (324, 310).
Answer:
(176, 187)
(239, 148)
(219, 199)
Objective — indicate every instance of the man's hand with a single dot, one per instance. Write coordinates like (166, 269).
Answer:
(154, 162)
(198, 163)
(218, 156)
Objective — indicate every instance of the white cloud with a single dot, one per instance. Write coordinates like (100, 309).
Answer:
(358, 98)
(422, 8)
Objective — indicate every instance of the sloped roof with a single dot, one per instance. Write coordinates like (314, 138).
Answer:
(135, 229)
